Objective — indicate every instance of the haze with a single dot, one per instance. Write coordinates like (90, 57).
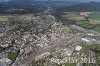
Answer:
(62, 0)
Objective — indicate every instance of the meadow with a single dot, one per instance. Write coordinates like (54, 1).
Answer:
(88, 20)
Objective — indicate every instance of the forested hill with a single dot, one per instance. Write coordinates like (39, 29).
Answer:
(83, 7)
(21, 7)
(30, 6)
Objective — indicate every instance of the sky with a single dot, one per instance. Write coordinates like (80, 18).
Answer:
(3, 0)
(77, 0)
(66, 0)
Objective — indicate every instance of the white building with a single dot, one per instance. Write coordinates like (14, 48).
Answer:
(90, 34)
(68, 52)
(78, 48)
(90, 40)
(86, 40)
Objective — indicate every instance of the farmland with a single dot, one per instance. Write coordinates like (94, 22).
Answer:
(87, 47)
(4, 18)
(95, 16)
(73, 16)
(88, 20)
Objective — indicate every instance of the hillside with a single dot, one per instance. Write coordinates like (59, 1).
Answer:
(30, 6)
(83, 7)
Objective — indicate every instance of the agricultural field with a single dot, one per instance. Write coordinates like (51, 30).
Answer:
(3, 18)
(86, 14)
(74, 16)
(95, 16)
(88, 20)
(87, 47)
(94, 47)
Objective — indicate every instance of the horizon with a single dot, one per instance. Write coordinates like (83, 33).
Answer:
(61, 0)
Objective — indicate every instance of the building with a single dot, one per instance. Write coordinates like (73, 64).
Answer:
(5, 61)
(78, 48)
(42, 56)
(85, 40)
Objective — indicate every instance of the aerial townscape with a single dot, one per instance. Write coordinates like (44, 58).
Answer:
(49, 33)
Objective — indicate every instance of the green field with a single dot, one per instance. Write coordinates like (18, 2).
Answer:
(73, 15)
(97, 28)
(12, 56)
(86, 48)
(83, 21)
(87, 25)
(95, 16)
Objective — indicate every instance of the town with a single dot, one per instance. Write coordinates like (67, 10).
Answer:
(25, 43)
(43, 39)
